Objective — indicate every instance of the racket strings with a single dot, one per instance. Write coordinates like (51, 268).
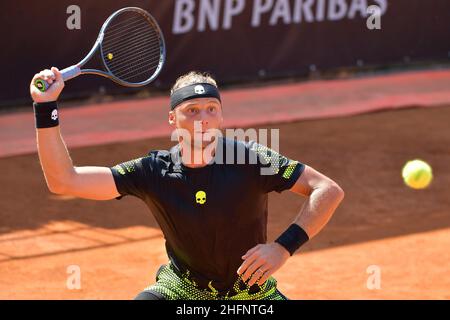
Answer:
(117, 37)
(132, 47)
(137, 68)
(138, 60)
(126, 22)
(136, 44)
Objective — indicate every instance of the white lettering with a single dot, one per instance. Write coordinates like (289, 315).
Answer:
(303, 6)
(337, 9)
(358, 5)
(183, 20)
(260, 7)
(74, 20)
(209, 12)
(211, 17)
(383, 4)
(374, 280)
(374, 21)
(232, 8)
(281, 10)
(193, 310)
(320, 10)
(73, 281)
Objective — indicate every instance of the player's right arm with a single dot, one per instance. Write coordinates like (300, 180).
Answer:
(61, 176)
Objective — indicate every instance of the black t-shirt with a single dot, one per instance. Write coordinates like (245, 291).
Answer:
(210, 216)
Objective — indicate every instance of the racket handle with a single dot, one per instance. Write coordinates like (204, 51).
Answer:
(41, 84)
(67, 74)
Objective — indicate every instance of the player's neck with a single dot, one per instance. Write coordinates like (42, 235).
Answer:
(192, 157)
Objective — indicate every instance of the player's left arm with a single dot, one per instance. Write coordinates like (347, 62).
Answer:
(323, 197)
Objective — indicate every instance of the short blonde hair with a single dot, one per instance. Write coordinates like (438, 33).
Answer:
(193, 77)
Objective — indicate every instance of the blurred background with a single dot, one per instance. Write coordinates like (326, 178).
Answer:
(356, 93)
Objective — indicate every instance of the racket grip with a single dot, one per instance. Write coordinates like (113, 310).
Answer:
(41, 84)
(67, 74)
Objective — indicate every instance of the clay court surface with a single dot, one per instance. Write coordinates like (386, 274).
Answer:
(118, 245)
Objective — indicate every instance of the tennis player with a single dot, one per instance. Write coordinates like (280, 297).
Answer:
(213, 211)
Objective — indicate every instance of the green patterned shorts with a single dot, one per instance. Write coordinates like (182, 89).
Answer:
(173, 287)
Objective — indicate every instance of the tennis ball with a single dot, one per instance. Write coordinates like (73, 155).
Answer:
(110, 56)
(417, 174)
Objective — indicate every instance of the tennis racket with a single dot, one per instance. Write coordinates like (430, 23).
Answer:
(132, 49)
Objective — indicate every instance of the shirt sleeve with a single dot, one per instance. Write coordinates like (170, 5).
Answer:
(133, 177)
(276, 172)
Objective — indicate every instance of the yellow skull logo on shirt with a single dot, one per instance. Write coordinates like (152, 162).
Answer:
(200, 197)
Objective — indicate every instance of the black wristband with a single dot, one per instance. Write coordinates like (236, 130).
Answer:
(293, 238)
(46, 114)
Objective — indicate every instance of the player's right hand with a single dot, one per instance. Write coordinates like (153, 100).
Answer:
(54, 79)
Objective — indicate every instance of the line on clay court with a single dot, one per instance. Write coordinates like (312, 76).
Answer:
(43, 234)
(86, 238)
(106, 233)
(50, 233)
(5, 255)
(106, 245)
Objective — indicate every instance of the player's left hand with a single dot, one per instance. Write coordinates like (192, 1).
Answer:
(261, 262)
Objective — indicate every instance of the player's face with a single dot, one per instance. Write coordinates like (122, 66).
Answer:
(200, 117)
